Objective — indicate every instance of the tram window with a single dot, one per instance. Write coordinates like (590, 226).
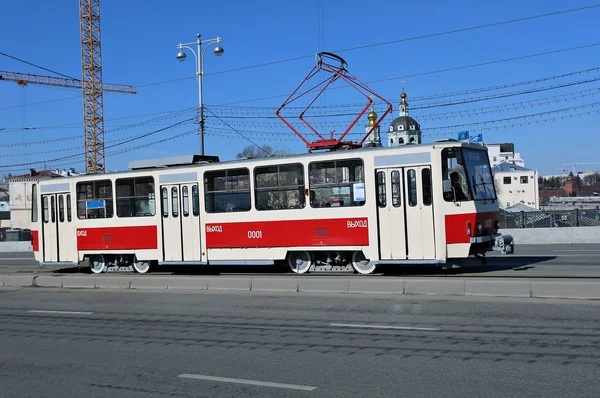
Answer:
(412, 187)
(175, 202)
(279, 187)
(195, 200)
(61, 208)
(94, 199)
(46, 214)
(165, 202)
(69, 207)
(34, 203)
(227, 190)
(396, 188)
(381, 194)
(338, 183)
(185, 200)
(454, 178)
(53, 209)
(426, 183)
(135, 197)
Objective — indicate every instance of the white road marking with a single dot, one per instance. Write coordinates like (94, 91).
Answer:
(578, 250)
(61, 312)
(351, 325)
(250, 382)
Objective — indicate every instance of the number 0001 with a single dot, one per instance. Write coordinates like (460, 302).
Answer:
(254, 234)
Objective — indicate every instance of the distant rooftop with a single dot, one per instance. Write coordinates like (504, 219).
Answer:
(506, 167)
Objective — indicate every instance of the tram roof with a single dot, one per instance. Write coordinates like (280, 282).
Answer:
(145, 165)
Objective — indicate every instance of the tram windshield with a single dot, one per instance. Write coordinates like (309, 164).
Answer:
(467, 175)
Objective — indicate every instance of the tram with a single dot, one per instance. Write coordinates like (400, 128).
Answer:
(339, 210)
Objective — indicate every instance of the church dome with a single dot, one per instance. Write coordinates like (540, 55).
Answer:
(404, 123)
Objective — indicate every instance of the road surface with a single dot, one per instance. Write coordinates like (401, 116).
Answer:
(581, 260)
(145, 344)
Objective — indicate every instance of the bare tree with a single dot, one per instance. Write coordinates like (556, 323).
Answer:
(4, 192)
(253, 151)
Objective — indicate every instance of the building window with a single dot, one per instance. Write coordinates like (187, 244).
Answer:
(94, 199)
(337, 183)
(400, 140)
(381, 194)
(391, 128)
(227, 190)
(506, 180)
(135, 197)
(524, 179)
(412, 126)
(34, 203)
(400, 127)
(279, 187)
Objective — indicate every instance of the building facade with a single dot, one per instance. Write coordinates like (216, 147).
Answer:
(516, 185)
(20, 190)
(404, 129)
(504, 153)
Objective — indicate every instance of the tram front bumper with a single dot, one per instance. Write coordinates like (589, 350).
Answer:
(497, 242)
(503, 244)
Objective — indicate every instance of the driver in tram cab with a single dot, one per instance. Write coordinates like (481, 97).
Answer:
(457, 186)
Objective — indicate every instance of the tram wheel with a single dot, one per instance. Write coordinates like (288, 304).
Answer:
(141, 267)
(299, 262)
(361, 264)
(97, 263)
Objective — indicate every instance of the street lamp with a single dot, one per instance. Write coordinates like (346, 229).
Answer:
(200, 72)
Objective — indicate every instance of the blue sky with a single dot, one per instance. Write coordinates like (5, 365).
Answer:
(139, 46)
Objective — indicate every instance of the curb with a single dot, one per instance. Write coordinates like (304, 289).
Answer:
(504, 287)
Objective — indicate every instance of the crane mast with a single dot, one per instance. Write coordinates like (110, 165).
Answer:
(93, 109)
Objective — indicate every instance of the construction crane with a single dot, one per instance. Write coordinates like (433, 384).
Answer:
(575, 164)
(24, 79)
(90, 84)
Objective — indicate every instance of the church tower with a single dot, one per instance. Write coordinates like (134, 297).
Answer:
(374, 140)
(404, 129)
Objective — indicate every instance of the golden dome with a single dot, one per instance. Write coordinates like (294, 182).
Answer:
(403, 95)
(372, 115)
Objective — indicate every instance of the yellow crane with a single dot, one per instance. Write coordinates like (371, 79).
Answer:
(90, 84)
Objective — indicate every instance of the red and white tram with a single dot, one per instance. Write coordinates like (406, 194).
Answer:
(414, 204)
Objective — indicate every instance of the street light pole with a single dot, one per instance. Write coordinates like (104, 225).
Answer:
(199, 56)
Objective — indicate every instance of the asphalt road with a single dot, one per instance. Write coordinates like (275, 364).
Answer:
(581, 260)
(142, 344)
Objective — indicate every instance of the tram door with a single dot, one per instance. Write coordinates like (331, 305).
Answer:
(419, 213)
(181, 222)
(405, 213)
(58, 233)
(392, 232)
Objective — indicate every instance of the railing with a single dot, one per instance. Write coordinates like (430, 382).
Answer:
(549, 219)
(16, 235)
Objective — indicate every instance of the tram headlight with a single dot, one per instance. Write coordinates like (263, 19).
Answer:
(469, 230)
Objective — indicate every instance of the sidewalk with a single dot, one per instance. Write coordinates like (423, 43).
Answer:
(444, 286)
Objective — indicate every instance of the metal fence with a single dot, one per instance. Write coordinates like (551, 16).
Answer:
(549, 219)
